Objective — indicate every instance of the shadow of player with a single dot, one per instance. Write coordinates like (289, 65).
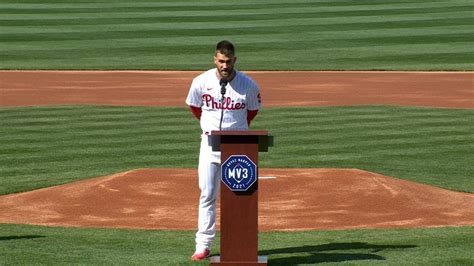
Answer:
(5, 238)
(328, 253)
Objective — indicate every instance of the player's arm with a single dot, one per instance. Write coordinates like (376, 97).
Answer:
(254, 104)
(251, 114)
(194, 99)
(197, 111)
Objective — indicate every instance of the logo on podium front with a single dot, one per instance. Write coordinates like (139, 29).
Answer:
(239, 173)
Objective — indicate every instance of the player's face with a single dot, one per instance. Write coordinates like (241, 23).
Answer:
(225, 64)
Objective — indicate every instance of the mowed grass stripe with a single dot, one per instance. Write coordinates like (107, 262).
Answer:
(106, 17)
(50, 116)
(380, 123)
(86, 112)
(171, 38)
(89, 138)
(402, 144)
(85, 141)
(78, 36)
(23, 7)
(331, 122)
(91, 125)
(321, 140)
(383, 137)
(147, 16)
(117, 134)
(277, 25)
(24, 136)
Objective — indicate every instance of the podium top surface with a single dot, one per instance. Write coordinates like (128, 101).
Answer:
(240, 136)
(239, 132)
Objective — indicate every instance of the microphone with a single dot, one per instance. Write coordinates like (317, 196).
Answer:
(223, 83)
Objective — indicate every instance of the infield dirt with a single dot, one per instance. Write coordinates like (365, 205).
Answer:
(297, 199)
(299, 88)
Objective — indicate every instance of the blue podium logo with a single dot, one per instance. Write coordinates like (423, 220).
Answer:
(239, 173)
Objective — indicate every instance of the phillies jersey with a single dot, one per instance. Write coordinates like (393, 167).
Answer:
(242, 94)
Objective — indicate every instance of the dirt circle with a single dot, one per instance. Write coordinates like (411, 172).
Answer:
(289, 199)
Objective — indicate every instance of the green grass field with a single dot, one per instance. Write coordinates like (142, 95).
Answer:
(42, 245)
(44, 146)
(270, 34)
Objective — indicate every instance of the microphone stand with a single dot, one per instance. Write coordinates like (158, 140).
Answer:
(223, 83)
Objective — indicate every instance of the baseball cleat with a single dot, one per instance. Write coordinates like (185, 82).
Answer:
(201, 255)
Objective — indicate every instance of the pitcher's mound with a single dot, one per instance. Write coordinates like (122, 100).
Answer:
(290, 199)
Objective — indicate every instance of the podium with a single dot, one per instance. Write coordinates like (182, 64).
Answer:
(239, 195)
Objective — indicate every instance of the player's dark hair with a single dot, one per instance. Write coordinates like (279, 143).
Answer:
(225, 47)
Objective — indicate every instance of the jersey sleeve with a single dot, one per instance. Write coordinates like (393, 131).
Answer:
(194, 95)
(254, 101)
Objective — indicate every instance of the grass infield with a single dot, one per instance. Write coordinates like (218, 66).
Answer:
(44, 146)
(269, 34)
(21, 244)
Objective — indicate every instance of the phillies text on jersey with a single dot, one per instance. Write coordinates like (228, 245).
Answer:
(227, 103)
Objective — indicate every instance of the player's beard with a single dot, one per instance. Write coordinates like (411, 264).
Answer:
(226, 73)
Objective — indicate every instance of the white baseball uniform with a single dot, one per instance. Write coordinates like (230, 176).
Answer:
(242, 94)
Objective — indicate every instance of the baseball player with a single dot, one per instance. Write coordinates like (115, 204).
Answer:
(233, 110)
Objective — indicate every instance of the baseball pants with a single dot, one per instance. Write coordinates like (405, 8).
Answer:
(209, 172)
